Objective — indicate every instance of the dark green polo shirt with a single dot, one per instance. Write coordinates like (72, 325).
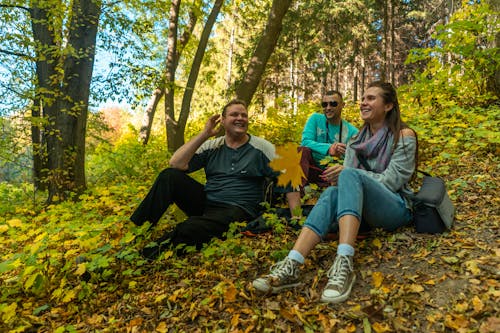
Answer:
(235, 176)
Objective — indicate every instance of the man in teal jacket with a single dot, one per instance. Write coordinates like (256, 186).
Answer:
(325, 134)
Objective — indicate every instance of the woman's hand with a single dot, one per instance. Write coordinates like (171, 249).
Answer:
(331, 174)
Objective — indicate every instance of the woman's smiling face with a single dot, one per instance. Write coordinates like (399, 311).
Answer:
(373, 107)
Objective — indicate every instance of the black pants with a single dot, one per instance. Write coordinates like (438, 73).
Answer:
(205, 221)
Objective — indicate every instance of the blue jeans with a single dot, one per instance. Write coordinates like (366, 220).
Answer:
(359, 195)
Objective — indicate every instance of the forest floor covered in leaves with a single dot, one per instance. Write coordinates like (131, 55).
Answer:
(406, 282)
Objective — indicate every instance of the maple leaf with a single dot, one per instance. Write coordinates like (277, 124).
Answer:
(287, 162)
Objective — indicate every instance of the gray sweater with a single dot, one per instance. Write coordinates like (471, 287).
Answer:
(401, 166)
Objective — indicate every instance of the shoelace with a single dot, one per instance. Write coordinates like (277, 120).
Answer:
(282, 268)
(338, 273)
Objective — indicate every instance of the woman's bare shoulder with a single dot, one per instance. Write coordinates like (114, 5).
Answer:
(407, 132)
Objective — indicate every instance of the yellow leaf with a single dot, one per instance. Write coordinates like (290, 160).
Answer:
(70, 295)
(15, 223)
(234, 320)
(168, 254)
(461, 307)
(450, 260)
(287, 161)
(477, 303)
(377, 278)
(9, 312)
(162, 327)
(3, 228)
(381, 328)
(456, 322)
(160, 298)
(81, 269)
(472, 267)
(416, 288)
(269, 315)
(230, 293)
(377, 243)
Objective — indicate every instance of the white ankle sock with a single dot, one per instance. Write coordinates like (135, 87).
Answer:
(345, 250)
(295, 255)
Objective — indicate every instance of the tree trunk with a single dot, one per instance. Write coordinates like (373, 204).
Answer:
(178, 139)
(149, 114)
(78, 68)
(171, 65)
(230, 58)
(159, 92)
(385, 43)
(46, 88)
(64, 97)
(246, 89)
(37, 143)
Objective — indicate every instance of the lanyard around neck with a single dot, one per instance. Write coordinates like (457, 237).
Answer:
(328, 134)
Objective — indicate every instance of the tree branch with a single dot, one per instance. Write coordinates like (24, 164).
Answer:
(23, 55)
(14, 6)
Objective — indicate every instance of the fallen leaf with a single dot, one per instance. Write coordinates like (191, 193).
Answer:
(81, 269)
(491, 325)
(377, 278)
(477, 304)
(381, 328)
(230, 293)
(162, 327)
(415, 288)
(15, 223)
(377, 243)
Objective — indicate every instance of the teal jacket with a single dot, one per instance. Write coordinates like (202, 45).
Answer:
(318, 135)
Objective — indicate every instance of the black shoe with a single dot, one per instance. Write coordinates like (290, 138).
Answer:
(151, 252)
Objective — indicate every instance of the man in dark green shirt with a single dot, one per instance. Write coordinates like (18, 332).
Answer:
(236, 166)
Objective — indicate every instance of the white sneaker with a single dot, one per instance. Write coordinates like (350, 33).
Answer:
(284, 274)
(341, 278)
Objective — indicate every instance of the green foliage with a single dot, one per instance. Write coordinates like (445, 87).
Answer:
(128, 159)
(460, 67)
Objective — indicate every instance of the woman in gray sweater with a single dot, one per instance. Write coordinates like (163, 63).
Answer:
(365, 193)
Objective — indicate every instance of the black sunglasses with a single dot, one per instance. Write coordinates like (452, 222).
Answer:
(331, 103)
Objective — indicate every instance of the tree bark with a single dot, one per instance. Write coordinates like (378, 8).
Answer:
(149, 114)
(78, 68)
(64, 97)
(178, 139)
(171, 65)
(159, 92)
(246, 89)
(46, 88)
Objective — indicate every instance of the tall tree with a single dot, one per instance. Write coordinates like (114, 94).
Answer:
(68, 74)
(177, 139)
(170, 66)
(169, 86)
(63, 46)
(246, 89)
